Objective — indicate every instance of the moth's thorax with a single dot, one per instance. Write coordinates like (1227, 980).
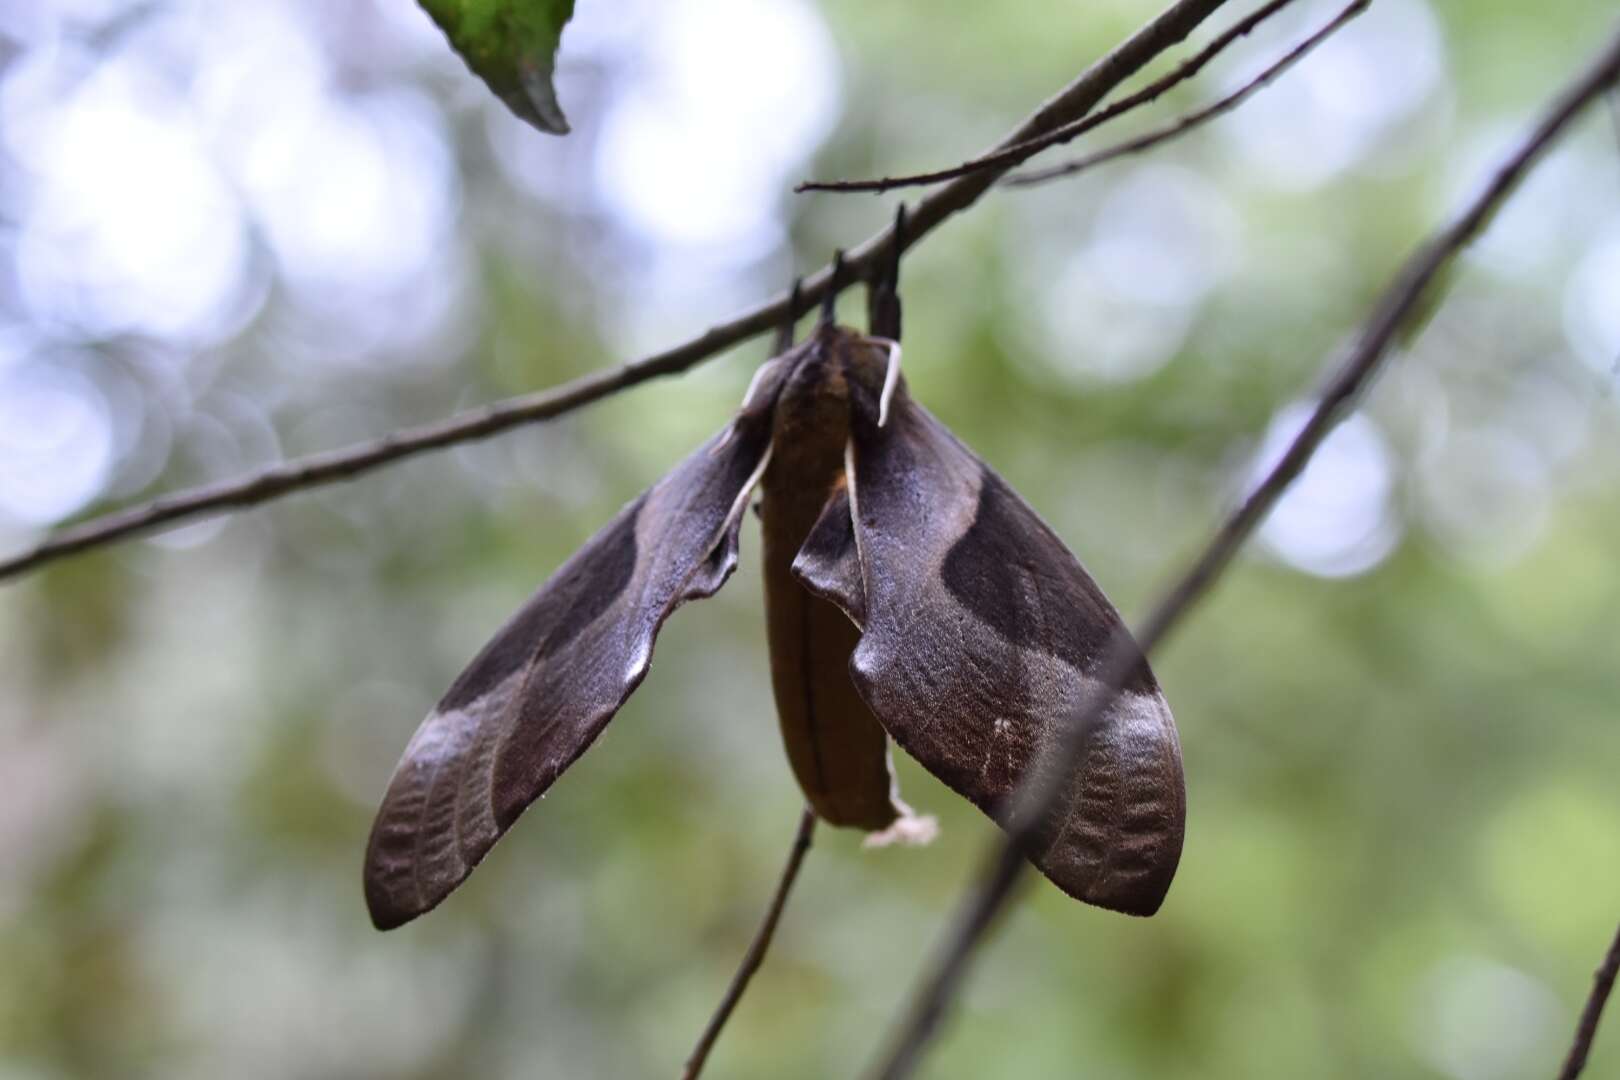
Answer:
(831, 377)
(810, 425)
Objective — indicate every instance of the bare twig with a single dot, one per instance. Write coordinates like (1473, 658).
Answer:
(331, 466)
(1614, 111)
(1614, 120)
(1193, 119)
(1586, 1030)
(1075, 100)
(756, 948)
(1399, 301)
(1018, 153)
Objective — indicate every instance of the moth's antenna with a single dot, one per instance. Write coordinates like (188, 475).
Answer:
(891, 379)
(829, 300)
(784, 333)
(753, 388)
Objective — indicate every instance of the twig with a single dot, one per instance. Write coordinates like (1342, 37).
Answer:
(1018, 153)
(333, 465)
(1075, 100)
(1614, 111)
(1193, 119)
(1614, 121)
(1038, 796)
(1586, 1030)
(756, 949)
(979, 911)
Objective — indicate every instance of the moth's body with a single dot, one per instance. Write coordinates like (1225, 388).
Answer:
(837, 748)
(910, 594)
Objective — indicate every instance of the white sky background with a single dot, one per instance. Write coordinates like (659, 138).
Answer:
(179, 176)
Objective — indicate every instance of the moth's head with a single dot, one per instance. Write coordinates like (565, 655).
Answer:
(844, 363)
(871, 370)
(834, 368)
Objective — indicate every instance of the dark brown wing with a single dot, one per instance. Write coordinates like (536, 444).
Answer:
(982, 635)
(545, 686)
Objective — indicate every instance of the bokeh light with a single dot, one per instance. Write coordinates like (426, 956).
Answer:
(56, 446)
(732, 95)
(1344, 104)
(1337, 518)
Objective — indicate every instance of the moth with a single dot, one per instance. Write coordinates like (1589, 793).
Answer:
(910, 595)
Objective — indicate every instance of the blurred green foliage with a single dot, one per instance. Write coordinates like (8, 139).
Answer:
(1403, 848)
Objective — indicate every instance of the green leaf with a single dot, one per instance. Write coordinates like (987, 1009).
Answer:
(512, 46)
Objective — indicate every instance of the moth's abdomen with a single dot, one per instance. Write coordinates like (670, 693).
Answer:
(837, 749)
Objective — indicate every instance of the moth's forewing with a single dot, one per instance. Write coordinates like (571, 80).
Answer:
(828, 563)
(540, 692)
(982, 637)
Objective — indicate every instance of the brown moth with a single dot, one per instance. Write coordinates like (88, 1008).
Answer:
(909, 593)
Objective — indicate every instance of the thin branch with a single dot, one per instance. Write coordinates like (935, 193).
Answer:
(980, 910)
(1614, 121)
(1193, 119)
(1038, 796)
(1586, 1030)
(1018, 153)
(756, 948)
(331, 466)
(1614, 112)
(1075, 100)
